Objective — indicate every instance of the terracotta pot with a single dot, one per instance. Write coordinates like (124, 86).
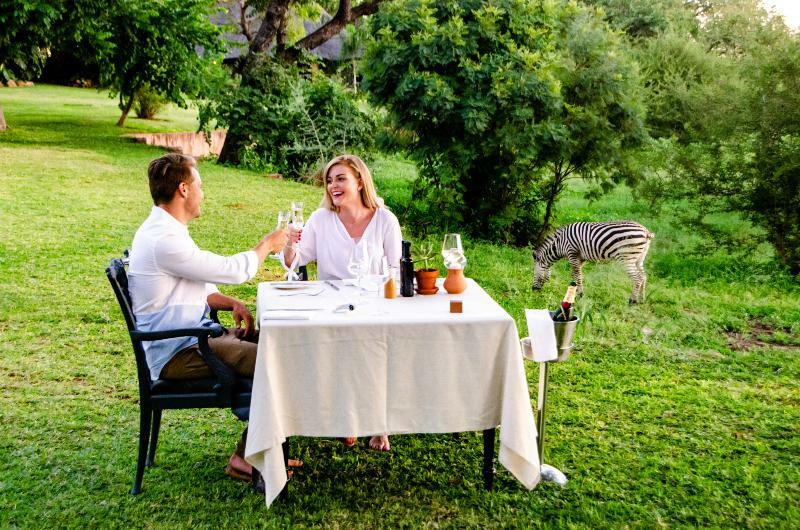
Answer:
(426, 280)
(455, 282)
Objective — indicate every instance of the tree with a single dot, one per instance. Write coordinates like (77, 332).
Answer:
(167, 45)
(730, 121)
(272, 32)
(503, 100)
(646, 19)
(24, 38)
(293, 123)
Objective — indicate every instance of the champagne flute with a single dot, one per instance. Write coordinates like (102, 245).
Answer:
(297, 214)
(283, 220)
(283, 224)
(297, 220)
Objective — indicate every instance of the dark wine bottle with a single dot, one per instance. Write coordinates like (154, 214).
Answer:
(566, 310)
(406, 271)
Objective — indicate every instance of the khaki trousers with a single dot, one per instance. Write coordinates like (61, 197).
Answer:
(238, 354)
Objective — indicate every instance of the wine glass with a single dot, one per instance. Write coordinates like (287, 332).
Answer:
(297, 220)
(378, 272)
(452, 252)
(358, 264)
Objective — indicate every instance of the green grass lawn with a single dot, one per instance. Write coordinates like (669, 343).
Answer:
(681, 412)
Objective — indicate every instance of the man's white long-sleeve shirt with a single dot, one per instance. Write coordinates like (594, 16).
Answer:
(170, 278)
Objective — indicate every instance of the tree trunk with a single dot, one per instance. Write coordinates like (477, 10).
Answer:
(126, 110)
(273, 18)
(229, 154)
(554, 189)
(3, 125)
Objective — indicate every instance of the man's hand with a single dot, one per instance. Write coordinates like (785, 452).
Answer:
(276, 240)
(242, 314)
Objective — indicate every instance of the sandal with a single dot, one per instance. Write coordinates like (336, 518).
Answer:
(350, 441)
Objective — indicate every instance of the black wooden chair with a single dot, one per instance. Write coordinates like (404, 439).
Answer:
(225, 390)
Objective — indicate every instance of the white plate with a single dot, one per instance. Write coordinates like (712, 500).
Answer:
(291, 286)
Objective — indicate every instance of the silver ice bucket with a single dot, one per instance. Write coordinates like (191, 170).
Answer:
(564, 334)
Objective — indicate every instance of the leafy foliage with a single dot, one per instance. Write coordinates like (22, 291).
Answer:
(290, 121)
(156, 44)
(726, 106)
(169, 45)
(26, 29)
(148, 103)
(501, 100)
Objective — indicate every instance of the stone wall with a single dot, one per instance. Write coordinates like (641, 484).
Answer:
(188, 143)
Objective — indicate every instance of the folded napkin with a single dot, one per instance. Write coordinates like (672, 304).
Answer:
(287, 314)
(542, 334)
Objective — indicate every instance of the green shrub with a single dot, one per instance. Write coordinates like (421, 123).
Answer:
(148, 103)
(291, 119)
(498, 102)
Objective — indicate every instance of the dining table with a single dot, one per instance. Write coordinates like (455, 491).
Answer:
(336, 361)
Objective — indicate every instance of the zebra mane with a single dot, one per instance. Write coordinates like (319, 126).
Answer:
(539, 252)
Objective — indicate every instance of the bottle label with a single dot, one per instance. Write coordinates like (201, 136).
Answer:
(570, 296)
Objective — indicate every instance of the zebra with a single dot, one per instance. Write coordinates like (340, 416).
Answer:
(624, 241)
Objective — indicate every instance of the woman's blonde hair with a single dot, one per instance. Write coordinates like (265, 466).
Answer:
(369, 197)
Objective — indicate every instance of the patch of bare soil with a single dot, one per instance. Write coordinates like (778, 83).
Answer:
(760, 335)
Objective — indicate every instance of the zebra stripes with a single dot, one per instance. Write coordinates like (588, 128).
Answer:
(624, 241)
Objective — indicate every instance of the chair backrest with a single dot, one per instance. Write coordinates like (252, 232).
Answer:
(119, 282)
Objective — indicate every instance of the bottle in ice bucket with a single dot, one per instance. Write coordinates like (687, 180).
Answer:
(406, 271)
(566, 311)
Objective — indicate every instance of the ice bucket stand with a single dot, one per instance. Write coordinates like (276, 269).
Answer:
(564, 333)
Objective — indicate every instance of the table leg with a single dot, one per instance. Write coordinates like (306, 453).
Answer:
(256, 477)
(284, 494)
(488, 459)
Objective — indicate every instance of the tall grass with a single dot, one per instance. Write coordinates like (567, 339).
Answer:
(681, 412)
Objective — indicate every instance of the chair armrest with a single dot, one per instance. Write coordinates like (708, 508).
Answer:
(221, 371)
(214, 330)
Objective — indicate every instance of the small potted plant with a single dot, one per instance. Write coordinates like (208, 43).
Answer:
(427, 275)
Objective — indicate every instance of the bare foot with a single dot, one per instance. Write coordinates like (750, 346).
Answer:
(238, 468)
(350, 441)
(294, 463)
(240, 464)
(379, 443)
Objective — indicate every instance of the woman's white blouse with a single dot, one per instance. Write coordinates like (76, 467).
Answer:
(326, 241)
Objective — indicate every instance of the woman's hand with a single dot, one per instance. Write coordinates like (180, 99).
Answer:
(295, 234)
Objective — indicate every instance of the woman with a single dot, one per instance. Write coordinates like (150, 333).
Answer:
(350, 213)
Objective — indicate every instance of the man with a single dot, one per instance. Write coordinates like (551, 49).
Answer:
(171, 283)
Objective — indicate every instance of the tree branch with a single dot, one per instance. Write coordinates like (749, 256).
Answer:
(344, 16)
(273, 18)
(243, 21)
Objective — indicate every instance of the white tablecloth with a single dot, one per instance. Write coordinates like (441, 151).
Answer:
(405, 365)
